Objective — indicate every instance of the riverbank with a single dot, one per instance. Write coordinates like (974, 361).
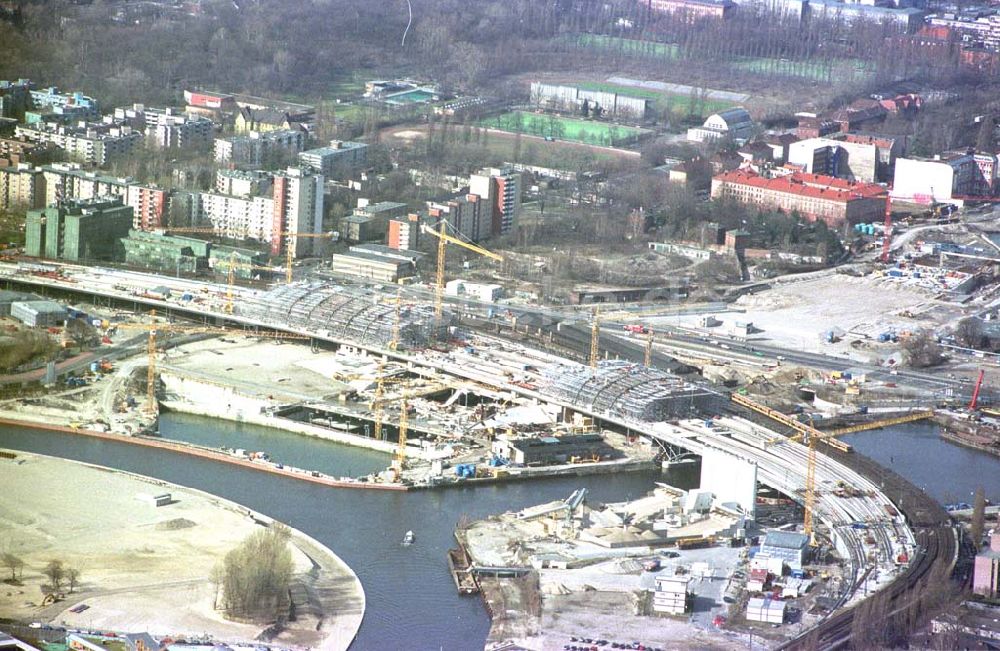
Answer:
(213, 455)
(145, 567)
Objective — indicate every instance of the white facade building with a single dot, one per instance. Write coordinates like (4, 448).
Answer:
(854, 161)
(734, 123)
(939, 179)
(671, 594)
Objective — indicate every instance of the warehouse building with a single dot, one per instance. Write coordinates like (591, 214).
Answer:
(371, 266)
(546, 450)
(38, 313)
(8, 298)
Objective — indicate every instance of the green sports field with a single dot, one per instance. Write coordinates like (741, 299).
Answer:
(841, 70)
(562, 128)
(630, 45)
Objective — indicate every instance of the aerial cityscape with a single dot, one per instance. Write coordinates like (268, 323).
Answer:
(545, 325)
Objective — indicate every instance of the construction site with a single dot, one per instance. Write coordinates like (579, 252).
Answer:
(467, 391)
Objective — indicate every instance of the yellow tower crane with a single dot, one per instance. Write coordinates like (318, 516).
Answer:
(648, 357)
(812, 437)
(404, 420)
(443, 239)
(595, 337)
(394, 342)
(289, 249)
(231, 266)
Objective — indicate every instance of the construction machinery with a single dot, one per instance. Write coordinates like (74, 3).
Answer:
(884, 422)
(811, 436)
(290, 248)
(887, 230)
(443, 239)
(595, 337)
(975, 392)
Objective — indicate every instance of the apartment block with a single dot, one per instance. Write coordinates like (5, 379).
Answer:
(835, 201)
(69, 181)
(370, 221)
(471, 215)
(15, 98)
(14, 151)
(259, 147)
(292, 202)
(501, 188)
(21, 188)
(76, 103)
(149, 205)
(79, 230)
(693, 9)
(89, 143)
(241, 183)
(404, 232)
(340, 157)
(298, 208)
(166, 128)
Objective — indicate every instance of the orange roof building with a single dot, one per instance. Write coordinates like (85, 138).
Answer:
(814, 196)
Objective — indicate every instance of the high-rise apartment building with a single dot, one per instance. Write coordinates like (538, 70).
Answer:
(501, 188)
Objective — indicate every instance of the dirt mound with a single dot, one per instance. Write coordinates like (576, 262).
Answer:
(175, 525)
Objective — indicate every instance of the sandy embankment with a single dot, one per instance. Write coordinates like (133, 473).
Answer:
(147, 568)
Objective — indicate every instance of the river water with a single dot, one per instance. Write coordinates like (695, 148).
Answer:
(411, 599)
(412, 602)
(947, 472)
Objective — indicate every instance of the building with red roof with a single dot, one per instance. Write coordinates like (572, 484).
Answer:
(814, 196)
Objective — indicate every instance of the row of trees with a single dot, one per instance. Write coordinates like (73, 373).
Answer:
(59, 575)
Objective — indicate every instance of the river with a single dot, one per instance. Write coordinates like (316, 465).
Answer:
(412, 602)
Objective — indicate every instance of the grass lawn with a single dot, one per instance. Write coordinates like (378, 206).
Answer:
(562, 128)
(630, 45)
(841, 70)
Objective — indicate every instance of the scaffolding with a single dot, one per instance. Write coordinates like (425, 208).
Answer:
(333, 311)
(627, 390)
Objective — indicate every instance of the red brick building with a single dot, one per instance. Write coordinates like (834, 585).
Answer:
(814, 196)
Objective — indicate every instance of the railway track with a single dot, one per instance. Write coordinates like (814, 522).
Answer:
(938, 551)
(931, 525)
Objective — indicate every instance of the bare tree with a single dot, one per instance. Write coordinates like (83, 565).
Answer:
(55, 571)
(72, 578)
(978, 517)
(923, 350)
(14, 564)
